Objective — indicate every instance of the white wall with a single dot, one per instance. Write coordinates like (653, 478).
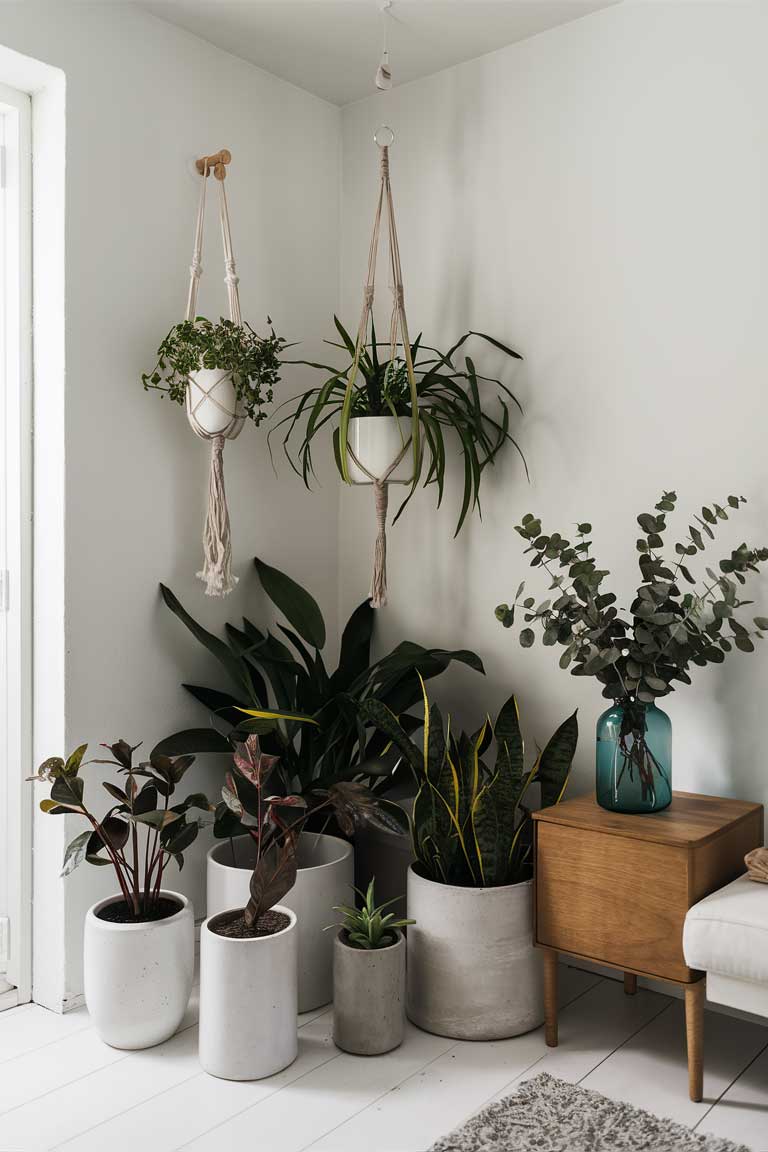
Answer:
(595, 196)
(142, 100)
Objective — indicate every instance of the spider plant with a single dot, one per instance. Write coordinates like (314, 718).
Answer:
(442, 395)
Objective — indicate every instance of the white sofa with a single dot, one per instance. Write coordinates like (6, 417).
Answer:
(726, 936)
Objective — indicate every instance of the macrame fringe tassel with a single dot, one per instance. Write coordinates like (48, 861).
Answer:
(217, 543)
(379, 579)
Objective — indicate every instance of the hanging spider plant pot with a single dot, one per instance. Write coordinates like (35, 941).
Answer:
(223, 373)
(381, 450)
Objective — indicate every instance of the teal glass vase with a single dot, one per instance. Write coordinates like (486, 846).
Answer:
(634, 758)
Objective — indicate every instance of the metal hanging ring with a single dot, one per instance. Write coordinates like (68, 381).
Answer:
(384, 137)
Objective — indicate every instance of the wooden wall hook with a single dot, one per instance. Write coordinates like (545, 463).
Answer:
(216, 163)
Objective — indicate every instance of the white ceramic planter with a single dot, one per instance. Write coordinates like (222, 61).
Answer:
(138, 976)
(376, 441)
(368, 997)
(206, 390)
(473, 971)
(325, 878)
(248, 1002)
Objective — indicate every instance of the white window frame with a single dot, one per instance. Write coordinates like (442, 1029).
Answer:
(16, 537)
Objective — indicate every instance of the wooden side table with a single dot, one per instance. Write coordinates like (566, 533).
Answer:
(614, 889)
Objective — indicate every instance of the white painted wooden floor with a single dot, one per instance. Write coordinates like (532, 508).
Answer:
(61, 1088)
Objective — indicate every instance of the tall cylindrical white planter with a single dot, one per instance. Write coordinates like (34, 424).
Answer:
(138, 976)
(368, 996)
(325, 878)
(212, 399)
(377, 441)
(473, 970)
(248, 1002)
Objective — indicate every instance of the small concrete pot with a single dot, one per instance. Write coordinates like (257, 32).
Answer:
(377, 441)
(473, 970)
(325, 878)
(248, 1002)
(138, 977)
(368, 997)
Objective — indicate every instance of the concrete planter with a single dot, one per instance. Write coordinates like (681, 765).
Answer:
(248, 1002)
(325, 878)
(368, 997)
(138, 976)
(473, 972)
(377, 441)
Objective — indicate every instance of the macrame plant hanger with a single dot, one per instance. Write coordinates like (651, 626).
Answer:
(217, 544)
(398, 324)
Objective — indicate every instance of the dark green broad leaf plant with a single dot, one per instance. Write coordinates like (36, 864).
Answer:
(142, 829)
(309, 716)
(447, 394)
(471, 822)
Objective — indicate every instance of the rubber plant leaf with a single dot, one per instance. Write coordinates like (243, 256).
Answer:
(296, 604)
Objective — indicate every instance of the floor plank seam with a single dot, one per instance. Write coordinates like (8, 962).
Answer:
(729, 1086)
(623, 1044)
(47, 1044)
(77, 1079)
(162, 1092)
(381, 1096)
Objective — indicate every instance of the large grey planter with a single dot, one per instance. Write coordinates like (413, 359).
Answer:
(473, 971)
(368, 997)
(325, 878)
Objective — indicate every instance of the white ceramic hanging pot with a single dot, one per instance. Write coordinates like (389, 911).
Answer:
(248, 1002)
(138, 977)
(368, 996)
(376, 442)
(473, 970)
(211, 400)
(324, 879)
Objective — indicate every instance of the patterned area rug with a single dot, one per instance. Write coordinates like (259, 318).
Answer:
(548, 1115)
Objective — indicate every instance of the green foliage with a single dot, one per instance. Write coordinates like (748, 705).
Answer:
(140, 832)
(306, 715)
(368, 927)
(471, 826)
(448, 396)
(254, 360)
(675, 619)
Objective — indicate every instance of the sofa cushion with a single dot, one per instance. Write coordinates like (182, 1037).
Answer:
(727, 932)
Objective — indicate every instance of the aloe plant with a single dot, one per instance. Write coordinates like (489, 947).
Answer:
(442, 394)
(471, 823)
(369, 927)
(307, 715)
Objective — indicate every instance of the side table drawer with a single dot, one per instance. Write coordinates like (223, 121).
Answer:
(612, 899)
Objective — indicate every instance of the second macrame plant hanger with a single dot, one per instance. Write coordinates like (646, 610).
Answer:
(216, 572)
(398, 326)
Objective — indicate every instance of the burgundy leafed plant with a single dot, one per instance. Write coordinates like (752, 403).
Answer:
(140, 832)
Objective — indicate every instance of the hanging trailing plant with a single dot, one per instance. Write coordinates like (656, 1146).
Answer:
(192, 345)
(448, 399)
(392, 411)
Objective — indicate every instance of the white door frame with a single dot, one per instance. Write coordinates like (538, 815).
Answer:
(16, 544)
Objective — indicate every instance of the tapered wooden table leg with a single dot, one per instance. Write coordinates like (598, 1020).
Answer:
(630, 983)
(550, 998)
(694, 1028)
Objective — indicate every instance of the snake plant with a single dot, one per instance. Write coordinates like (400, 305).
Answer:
(471, 823)
(442, 392)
